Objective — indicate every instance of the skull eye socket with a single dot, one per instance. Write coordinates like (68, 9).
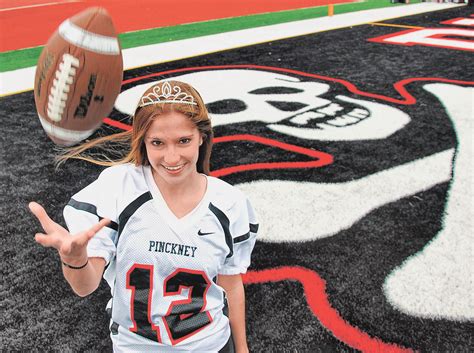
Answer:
(276, 90)
(287, 106)
(226, 106)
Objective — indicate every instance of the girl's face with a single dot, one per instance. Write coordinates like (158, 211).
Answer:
(172, 145)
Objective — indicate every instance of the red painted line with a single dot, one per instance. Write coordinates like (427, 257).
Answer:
(400, 86)
(315, 291)
(31, 27)
(322, 158)
(269, 142)
(117, 124)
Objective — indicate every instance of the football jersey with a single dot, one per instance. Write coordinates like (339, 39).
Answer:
(162, 270)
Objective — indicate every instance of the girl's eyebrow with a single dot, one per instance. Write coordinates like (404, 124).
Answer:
(179, 138)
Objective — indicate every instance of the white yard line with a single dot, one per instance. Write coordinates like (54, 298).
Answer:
(22, 80)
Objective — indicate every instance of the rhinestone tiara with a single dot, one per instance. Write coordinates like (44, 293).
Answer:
(166, 93)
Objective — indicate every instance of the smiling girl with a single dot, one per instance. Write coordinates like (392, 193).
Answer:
(171, 241)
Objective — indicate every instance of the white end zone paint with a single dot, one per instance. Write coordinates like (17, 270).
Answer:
(436, 37)
(301, 211)
(22, 80)
(438, 282)
(464, 22)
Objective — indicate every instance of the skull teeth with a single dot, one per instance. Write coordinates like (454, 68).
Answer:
(359, 113)
(302, 119)
(327, 116)
(331, 109)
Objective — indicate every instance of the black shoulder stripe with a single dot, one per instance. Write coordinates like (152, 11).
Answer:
(253, 228)
(224, 221)
(130, 210)
(242, 238)
(90, 208)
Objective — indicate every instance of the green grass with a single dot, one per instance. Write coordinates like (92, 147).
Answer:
(17, 59)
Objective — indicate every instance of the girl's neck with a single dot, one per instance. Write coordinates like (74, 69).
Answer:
(191, 184)
(182, 198)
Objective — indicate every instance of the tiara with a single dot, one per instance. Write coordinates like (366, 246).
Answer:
(168, 94)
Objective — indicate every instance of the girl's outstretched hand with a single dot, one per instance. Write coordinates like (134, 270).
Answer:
(72, 248)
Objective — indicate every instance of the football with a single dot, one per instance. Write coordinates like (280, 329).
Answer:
(78, 76)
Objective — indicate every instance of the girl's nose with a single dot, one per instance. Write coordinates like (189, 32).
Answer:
(171, 157)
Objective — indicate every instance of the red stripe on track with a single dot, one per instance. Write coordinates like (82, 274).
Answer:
(315, 290)
(31, 27)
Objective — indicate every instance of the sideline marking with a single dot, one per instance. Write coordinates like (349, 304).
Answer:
(393, 25)
(16, 92)
(38, 5)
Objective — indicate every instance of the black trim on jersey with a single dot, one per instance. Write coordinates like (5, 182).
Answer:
(90, 208)
(241, 238)
(253, 228)
(224, 221)
(130, 210)
(114, 326)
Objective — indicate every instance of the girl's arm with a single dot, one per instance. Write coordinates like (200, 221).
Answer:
(234, 289)
(72, 250)
(86, 280)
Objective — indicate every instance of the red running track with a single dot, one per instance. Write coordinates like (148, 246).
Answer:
(29, 23)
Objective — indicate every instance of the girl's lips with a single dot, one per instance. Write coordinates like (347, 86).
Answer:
(174, 169)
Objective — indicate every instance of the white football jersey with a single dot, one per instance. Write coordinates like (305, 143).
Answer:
(162, 270)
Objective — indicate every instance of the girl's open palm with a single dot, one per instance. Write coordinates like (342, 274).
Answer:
(71, 248)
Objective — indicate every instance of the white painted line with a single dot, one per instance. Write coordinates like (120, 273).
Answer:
(37, 5)
(186, 48)
(17, 81)
(22, 79)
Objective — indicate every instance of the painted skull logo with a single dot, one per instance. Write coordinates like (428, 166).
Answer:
(306, 111)
(286, 104)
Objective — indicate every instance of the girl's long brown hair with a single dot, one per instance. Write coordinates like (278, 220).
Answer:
(130, 144)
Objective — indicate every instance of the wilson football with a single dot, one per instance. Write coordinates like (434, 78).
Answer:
(78, 76)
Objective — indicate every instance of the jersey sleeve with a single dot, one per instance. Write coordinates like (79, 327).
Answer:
(243, 227)
(87, 207)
